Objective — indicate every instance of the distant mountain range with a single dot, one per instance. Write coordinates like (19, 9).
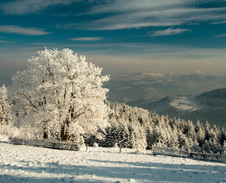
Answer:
(180, 96)
(132, 87)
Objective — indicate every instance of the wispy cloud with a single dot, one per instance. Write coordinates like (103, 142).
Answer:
(220, 35)
(124, 14)
(2, 41)
(20, 7)
(127, 14)
(169, 32)
(221, 22)
(40, 44)
(87, 39)
(15, 29)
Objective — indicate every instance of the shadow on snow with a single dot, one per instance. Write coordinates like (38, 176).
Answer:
(122, 170)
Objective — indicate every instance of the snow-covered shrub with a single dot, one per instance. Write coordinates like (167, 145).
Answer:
(10, 131)
(95, 144)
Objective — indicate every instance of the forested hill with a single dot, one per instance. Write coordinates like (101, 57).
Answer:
(138, 128)
(214, 94)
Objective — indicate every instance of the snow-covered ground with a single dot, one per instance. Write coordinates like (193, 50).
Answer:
(35, 164)
(185, 103)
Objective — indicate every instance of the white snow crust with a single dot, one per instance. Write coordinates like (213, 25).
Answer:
(40, 165)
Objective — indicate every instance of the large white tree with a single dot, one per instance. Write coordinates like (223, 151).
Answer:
(60, 95)
(5, 108)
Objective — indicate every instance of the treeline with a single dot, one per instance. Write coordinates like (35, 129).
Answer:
(133, 127)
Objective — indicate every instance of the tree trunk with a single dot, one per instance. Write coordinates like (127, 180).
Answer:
(120, 148)
(45, 134)
(64, 135)
(87, 146)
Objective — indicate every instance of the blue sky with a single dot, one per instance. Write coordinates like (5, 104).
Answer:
(164, 36)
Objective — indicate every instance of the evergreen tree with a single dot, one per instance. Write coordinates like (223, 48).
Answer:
(138, 137)
(200, 131)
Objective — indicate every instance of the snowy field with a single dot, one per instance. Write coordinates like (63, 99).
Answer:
(35, 164)
(185, 103)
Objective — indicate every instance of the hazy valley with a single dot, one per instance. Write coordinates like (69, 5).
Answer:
(189, 97)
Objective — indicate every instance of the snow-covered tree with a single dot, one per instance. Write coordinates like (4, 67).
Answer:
(138, 137)
(60, 95)
(183, 141)
(5, 108)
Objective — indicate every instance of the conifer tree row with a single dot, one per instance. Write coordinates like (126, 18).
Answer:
(137, 128)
